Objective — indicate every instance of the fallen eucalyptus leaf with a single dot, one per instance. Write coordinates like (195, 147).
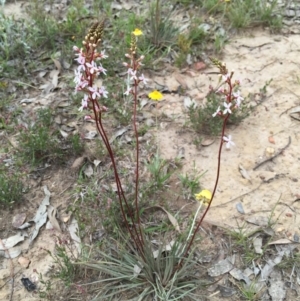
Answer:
(239, 275)
(52, 219)
(244, 173)
(57, 64)
(54, 78)
(11, 253)
(258, 220)
(78, 163)
(171, 218)
(18, 220)
(277, 290)
(73, 229)
(8, 243)
(257, 244)
(118, 133)
(222, 267)
(24, 226)
(88, 171)
(281, 241)
(40, 217)
(269, 266)
(226, 291)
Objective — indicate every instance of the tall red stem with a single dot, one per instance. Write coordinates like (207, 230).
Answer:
(229, 98)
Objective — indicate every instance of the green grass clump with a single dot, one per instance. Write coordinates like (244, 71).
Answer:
(244, 13)
(38, 142)
(41, 141)
(14, 46)
(11, 189)
(201, 117)
(125, 274)
(159, 170)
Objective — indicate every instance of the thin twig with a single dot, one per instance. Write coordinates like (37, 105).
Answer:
(11, 271)
(240, 196)
(273, 157)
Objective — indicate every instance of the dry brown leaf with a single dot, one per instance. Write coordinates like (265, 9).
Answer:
(171, 218)
(51, 215)
(18, 220)
(78, 163)
(282, 241)
(54, 77)
(74, 232)
(181, 80)
(88, 171)
(47, 88)
(57, 64)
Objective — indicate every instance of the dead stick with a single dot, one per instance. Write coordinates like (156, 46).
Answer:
(11, 270)
(240, 196)
(273, 157)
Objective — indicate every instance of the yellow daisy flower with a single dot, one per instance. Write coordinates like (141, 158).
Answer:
(137, 32)
(155, 95)
(204, 196)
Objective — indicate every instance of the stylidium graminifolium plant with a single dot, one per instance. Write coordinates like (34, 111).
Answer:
(90, 67)
(232, 101)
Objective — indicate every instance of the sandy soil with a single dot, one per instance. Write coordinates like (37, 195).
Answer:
(275, 181)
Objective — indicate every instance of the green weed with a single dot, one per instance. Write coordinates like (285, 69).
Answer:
(163, 33)
(11, 189)
(201, 117)
(76, 144)
(249, 292)
(190, 183)
(38, 141)
(66, 270)
(158, 169)
(13, 46)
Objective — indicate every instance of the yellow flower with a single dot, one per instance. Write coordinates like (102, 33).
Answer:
(137, 32)
(204, 196)
(155, 95)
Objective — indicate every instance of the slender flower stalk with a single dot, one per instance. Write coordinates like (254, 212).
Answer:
(85, 75)
(232, 102)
